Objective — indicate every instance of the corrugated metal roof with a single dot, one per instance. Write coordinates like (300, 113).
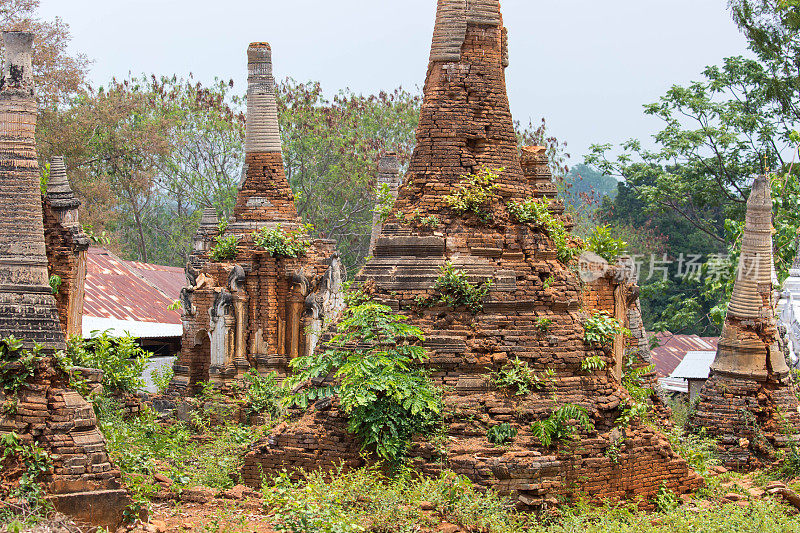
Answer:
(695, 365)
(674, 385)
(118, 289)
(137, 329)
(673, 348)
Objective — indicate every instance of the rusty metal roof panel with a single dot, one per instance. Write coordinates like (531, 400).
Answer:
(117, 289)
(673, 348)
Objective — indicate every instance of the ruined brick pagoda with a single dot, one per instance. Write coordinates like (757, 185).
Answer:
(748, 401)
(466, 125)
(82, 481)
(257, 310)
(66, 245)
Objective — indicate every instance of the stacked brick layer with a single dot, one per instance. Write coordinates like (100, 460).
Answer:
(466, 124)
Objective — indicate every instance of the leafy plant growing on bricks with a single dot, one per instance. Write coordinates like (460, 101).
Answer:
(601, 328)
(264, 394)
(55, 283)
(17, 365)
(516, 374)
(593, 363)
(501, 433)
(34, 462)
(536, 212)
(475, 192)
(384, 202)
(559, 425)
(225, 248)
(543, 324)
(121, 359)
(603, 243)
(374, 357)
(632, 380)
(455, 289)
(281, 243)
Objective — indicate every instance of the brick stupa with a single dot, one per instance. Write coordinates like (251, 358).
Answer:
(466, 125)
(255, 311)
(82, 481)
(748, 402)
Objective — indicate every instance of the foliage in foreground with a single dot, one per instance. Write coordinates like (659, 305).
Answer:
(374, 359)
(365, 500)
(121, 359)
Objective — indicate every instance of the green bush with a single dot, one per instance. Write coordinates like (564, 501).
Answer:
(543, 324)
(559, 425)
(374, 357)
(55, 284)
(264, 394)
(17, 365)
(121, 359)
(281, 243)
(593, 363)
(516, 374)
(34, 463)
(475, 192)
(537, 212)
(161, 378)
(602, 242)
(225, 248)
(455, 289)
(601, 328)
(501, 433)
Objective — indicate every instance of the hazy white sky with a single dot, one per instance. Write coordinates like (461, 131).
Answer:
(585, 65)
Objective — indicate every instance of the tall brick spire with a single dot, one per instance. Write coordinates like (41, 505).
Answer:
(27, 308)
(533, 311)
(748, 397)
(466, 122)
(264, 194)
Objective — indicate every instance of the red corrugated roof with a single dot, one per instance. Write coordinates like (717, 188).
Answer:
(673, 348)
(126, 290)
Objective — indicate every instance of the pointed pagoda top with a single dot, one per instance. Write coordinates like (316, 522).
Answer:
(261, 134)
(209, 218)
(59, 192)
(389, 168)
(465, 123)
(752, 289)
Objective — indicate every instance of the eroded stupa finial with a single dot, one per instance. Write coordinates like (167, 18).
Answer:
(59, 191)
(18, 61)
(262, 133)
(450, 30)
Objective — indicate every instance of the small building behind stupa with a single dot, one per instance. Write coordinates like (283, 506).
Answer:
(748, 402)
(246, 307)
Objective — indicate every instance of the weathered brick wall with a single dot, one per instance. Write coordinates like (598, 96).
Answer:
(83, 482)
(465, 123)
(66, 258)
(265, 194)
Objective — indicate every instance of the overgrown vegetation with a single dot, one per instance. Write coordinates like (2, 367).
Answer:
(537, 212)
(281, 243)
(55, 284)
(456, 290)
(475, 193)
(633, 380)
(603, 243)
(32, 462)
(601, 328)
(501, 433)
(17, 366)
(374, 362)
(264, 394)
(517, 375)
(593, 363)
(121, 359)
(562, 423)
(224, 248)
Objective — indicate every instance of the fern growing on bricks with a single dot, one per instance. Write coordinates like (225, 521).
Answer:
(455, 289)
(374, 362)
(475, 192)
(559, 425)
(537, 212)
